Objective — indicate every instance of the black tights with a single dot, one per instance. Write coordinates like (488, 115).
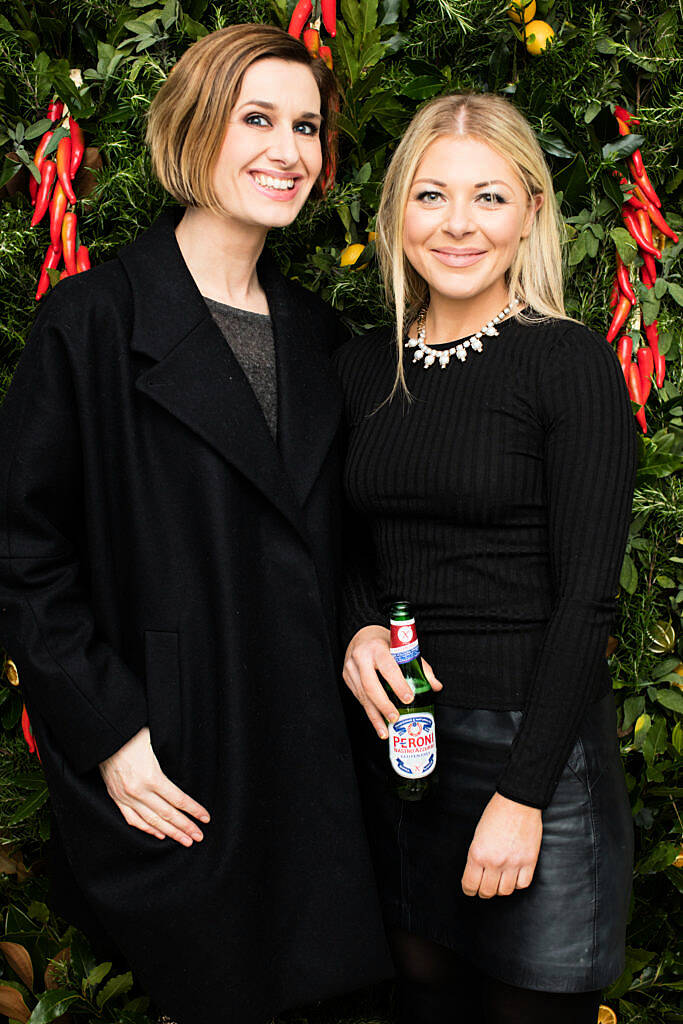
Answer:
(436, 987)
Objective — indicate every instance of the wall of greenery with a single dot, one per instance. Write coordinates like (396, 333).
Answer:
(390, 56)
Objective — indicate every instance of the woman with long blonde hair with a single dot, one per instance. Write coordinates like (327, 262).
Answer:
(489, 472)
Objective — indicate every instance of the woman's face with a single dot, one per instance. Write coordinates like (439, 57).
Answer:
(271, 155)
(466, 213)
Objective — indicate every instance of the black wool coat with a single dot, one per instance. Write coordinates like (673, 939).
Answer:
(164, 562)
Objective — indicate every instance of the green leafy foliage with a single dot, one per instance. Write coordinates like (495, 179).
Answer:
(390, 57)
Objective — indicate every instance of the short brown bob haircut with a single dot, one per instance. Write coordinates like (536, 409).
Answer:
(188, 117)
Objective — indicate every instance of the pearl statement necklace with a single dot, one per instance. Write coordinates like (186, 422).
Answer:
(430, 355)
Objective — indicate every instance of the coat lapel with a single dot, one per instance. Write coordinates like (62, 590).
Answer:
(196, 377)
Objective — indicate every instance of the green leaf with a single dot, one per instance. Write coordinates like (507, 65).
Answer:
(592, 111)
(52, 1005)
(677, 737)
(97, 974)
(642, 728)
(116, 986)
(422, 88)
(555, 145)
(672, 699)
(578, 250)
(39, 128)
(605, 45)
(626, 245)
(623, 147)
(368, 16)
(39, 912)
(659, 858)
(29, 807)
(660, 289)
(628, 578)
(655, 741)
(633, 708)
(192, 28)
(82, 957)
(676, 292)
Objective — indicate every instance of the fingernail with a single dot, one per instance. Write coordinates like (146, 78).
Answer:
(394, 717)
(382, 734)
(197, 836)
(205, 818)
(408, 696)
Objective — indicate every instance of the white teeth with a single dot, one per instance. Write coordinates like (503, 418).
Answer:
(281, 184)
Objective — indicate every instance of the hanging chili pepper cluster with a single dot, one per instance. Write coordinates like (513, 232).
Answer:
(640, 213)
(306, 19)
(55, 194)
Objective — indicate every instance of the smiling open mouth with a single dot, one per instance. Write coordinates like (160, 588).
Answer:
(279, 184)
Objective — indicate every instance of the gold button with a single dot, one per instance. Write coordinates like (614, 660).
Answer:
(11, 674)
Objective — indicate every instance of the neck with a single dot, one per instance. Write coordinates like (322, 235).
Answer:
(448, 318)
(221, 255)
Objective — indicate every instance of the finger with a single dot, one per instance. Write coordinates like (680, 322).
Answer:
(162, 824)
(394, 677)
(375, 694)
(134, 819)
(488, 886)
(471, 878)
(431, 678)
(176, 796)
(525, 876)
(163, 811)
(507, 882)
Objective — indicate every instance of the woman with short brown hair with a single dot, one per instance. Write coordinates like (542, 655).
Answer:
(168, 567)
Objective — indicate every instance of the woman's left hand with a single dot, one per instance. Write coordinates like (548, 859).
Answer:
(503, 853)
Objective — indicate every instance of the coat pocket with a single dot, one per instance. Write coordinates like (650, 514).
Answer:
(162, 672)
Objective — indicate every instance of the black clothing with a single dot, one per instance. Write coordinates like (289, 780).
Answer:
(497, 502)
(566, 931)
(163, 562)
(250, 336)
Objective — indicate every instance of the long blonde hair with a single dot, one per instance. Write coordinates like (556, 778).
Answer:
(535, 276)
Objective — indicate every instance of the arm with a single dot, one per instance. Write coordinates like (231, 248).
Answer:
(590, 463)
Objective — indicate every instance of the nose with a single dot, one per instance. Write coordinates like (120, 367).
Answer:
(458, 220)
(282, 146)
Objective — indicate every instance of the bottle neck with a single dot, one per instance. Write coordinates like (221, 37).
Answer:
(404, 645)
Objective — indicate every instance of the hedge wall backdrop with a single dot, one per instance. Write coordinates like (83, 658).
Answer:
(390, 56)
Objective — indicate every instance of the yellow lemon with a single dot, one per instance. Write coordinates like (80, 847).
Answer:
(372, 236)
(678, 862)
(606, 1016)
(539, 35)
(519, 9)
(350, 254)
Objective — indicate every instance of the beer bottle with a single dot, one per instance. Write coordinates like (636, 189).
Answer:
(412, 738)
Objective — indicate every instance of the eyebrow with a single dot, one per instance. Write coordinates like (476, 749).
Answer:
(442, 184)
(311, 114)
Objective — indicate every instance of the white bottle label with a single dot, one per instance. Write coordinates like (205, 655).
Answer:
(412, 745)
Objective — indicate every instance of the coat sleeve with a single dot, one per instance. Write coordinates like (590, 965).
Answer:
(77, 688)
(590, 462)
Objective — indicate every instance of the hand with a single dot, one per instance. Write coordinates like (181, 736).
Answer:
(503, 853)
(366, 655)
(147, 799)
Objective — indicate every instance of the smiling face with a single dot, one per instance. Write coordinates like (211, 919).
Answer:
(271, 155)
(466, 213)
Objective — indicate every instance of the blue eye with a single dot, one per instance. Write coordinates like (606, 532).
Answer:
(308, 128)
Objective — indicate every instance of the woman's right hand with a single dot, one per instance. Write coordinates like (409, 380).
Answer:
(147, 798)
(366, 656)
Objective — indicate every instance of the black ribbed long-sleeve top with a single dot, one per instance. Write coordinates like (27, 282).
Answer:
(497, 502)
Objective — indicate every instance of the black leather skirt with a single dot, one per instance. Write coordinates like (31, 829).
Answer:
(566, 932)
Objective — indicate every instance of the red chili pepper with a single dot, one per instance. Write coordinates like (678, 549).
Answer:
(646, 365)
(38, 160)
(300, 16)
(644, 183)
(652, 335)
(26, 729)
(637, 161)
(614, 294)
(624, 352)
(63, 165)
(312, 41)
(624, 115)
(659, 222)
(625, 286)
(645, 226)
(325, 53)
(69, 226)
(623, 127)
(82, 259)
(329, 13)
(57, 210)
(77, 146)
(621, 315)
(48, 173)
(636, 393)
(645, 276)
(51, 262)
(629, 217)
(55, 110)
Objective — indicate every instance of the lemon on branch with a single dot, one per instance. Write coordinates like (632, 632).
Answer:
(539, 36)
(606, 1015)
(522, 10)
(350, 254)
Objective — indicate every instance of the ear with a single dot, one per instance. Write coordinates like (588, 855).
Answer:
(535, 204)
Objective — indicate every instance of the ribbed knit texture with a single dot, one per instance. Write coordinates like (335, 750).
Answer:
(497, 502)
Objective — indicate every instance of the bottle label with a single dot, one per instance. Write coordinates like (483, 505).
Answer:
(412, 745)
(404, 646)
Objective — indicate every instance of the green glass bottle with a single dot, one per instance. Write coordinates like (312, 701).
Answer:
(412, 738)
